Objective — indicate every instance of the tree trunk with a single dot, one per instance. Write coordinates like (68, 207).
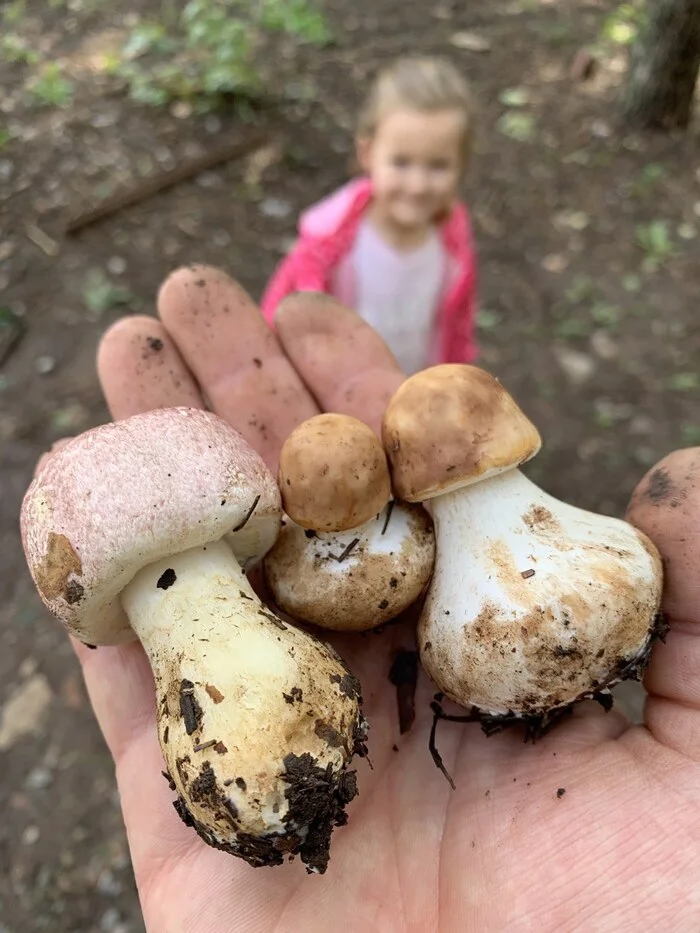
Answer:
(664, 67)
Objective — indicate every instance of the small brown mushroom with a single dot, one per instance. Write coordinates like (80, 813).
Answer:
(349, 559)
(333, 473)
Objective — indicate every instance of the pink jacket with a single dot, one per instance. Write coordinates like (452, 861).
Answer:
(326, 234)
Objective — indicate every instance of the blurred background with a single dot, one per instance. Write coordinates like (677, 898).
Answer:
(585, 199)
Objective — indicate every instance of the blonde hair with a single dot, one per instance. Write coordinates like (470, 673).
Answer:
(424, 84)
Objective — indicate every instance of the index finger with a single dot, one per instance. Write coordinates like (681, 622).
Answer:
(235, 357)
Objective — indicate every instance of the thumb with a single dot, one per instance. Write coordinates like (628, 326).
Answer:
(666, 506)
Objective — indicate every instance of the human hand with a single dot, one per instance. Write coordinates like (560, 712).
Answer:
(504, 851)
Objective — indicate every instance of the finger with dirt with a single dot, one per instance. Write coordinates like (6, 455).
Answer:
(666, 506)
(235, 357)
(345, 364)
(140, 368)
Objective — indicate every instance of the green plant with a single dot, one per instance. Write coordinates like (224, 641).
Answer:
(588, 307)
(517, 125)
(14, 12)
(100, 294)
(654, 238)
(50, 87)
(582, 288)
(604, 416)
(631, 282)
(690, 433)
(211, 49)
(572, 327)
(77, 6)
(557, 33)
(684, 382)
(295, 18)
(487, 319)
(647, 180)
(622, 26)
(15, 50)
(606, 315)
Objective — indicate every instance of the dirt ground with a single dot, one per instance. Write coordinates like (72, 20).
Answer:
(589, 280)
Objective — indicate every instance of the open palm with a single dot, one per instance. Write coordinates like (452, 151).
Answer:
(594, 828)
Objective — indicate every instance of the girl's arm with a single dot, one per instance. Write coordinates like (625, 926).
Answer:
(465, 324)
(282, 283)
(458, 343)
(457, 324)
(305, 268)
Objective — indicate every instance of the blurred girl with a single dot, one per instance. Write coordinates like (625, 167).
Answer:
(395, 244)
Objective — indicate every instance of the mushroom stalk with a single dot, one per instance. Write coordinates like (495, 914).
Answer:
(189, 610)
(533, 603)
(237, 740)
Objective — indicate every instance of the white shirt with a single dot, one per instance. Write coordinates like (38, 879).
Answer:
(396, 292)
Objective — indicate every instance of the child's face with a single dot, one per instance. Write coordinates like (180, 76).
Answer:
(414, 161)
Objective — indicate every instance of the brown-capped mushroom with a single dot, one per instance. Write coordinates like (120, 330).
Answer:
(140, 529)
(534, 604)
(347, 558)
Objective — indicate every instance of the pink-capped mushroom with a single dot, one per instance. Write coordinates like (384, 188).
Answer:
(143, 529)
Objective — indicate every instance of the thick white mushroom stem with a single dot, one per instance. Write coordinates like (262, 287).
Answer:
(534, 604)
(257, 720)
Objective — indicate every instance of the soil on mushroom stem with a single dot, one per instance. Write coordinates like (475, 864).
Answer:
(596, 335)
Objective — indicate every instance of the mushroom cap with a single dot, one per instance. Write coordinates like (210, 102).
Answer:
(452, 425)
(123, 495)
(353, 580)
(333, 473)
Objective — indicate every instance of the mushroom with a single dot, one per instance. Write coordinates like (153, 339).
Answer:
(347, 558)
(139, 529)
(533, 604)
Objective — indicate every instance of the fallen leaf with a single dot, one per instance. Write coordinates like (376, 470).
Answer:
(604, 346)
(28, 667)
(514, 97)
(45, 243)
(181, 110)
(578, 157)
(470, 42)
(520, 126)
(577, 367)
(555, 262)
(573, 220)
(486, 220)
(24, 710)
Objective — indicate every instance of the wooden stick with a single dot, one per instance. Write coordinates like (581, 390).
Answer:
(151, 186)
